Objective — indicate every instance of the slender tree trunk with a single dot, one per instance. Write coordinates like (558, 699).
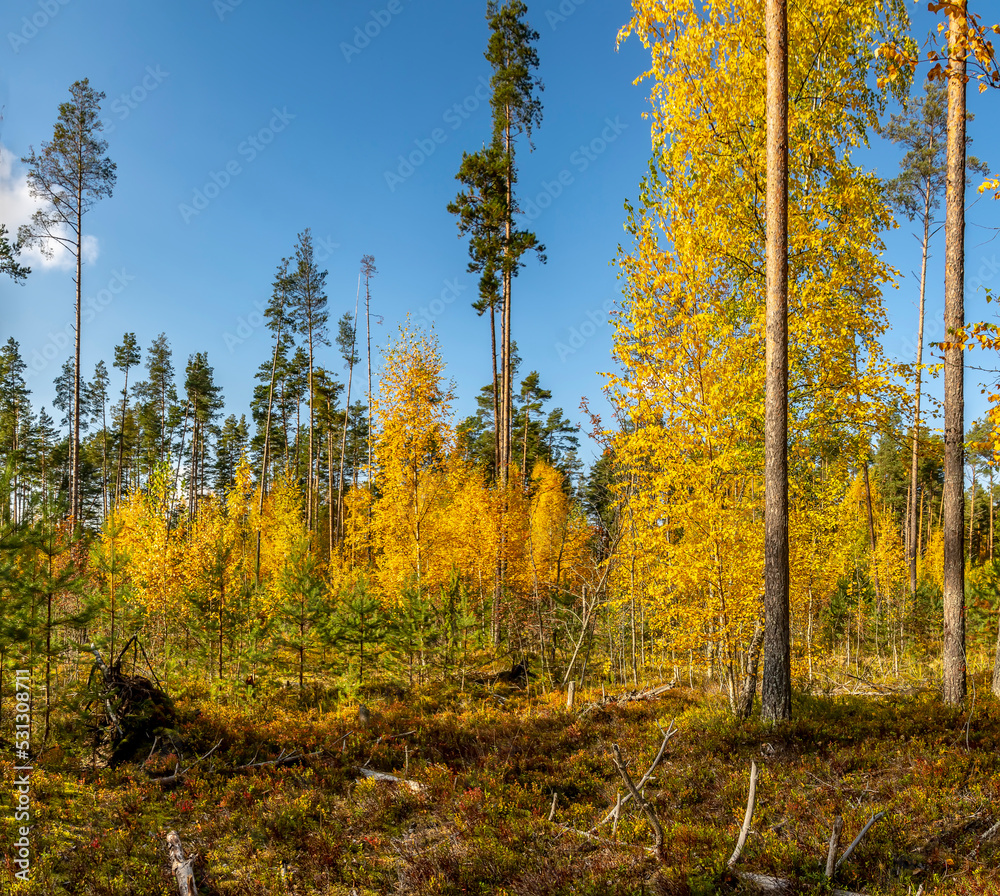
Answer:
(121, 440)
(508, 283)
(347, 416)
(871, 529)
(496, 396)
(74, 490)
(915, 457)
(954, 399)
(265, 454)
(776, 686)
(310, 490)
(972, 510)
(104, 456)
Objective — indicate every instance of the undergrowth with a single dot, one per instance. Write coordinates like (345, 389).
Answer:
(489, 765)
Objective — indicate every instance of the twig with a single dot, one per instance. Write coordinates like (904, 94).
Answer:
(282, 759)
(747, 818)
(552, 811)
(178, 774)
(654, 822)
(857, 840)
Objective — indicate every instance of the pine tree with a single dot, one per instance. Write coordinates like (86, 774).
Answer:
(309, 317)
(347, 342)
(954, 660)
(517, 110)
(8, 258)
(917, 192)
(158, 395)
(97, 397)
(127, 356)
(776, 682)
(205, 401)
(69, 175)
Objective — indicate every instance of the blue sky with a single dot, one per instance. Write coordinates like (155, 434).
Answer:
(236, 124)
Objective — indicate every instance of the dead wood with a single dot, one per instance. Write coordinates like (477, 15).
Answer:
(647, 809)
(857, 840)
(767, 884)
(831, 855)
(747, 818)
(415, 786)
(628, 697)
(616, 809)
(178, 774)
(132, 710)
(182, 868)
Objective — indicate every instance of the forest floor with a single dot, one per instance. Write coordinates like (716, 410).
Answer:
(486, 766)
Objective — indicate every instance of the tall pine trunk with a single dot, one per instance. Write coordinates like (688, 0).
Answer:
(776, 685)
(954, 364)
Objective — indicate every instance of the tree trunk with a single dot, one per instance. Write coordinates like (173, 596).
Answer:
(776, 687)
(954, 401)
(74, 488)
(347, 417)
(911, 510)
(496, 396)
(744, 705)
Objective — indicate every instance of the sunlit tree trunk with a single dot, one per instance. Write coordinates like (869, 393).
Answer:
(954, 401)
(776, 685)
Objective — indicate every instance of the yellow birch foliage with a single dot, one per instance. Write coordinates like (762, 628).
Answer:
(559, 536)
(413, 442)
(153, 549)
(282, 531)
(689, 336)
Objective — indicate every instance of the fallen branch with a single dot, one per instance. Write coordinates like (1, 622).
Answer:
(613, 814)
(628, 697)
(182, 868)
(768, 884)
(857, 840)
(647, 809)
(282, 759)
(415, 786)
(177, 774)
(747, 818)
(990, 834)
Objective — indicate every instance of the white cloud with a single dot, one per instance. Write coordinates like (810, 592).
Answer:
(17, 207)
